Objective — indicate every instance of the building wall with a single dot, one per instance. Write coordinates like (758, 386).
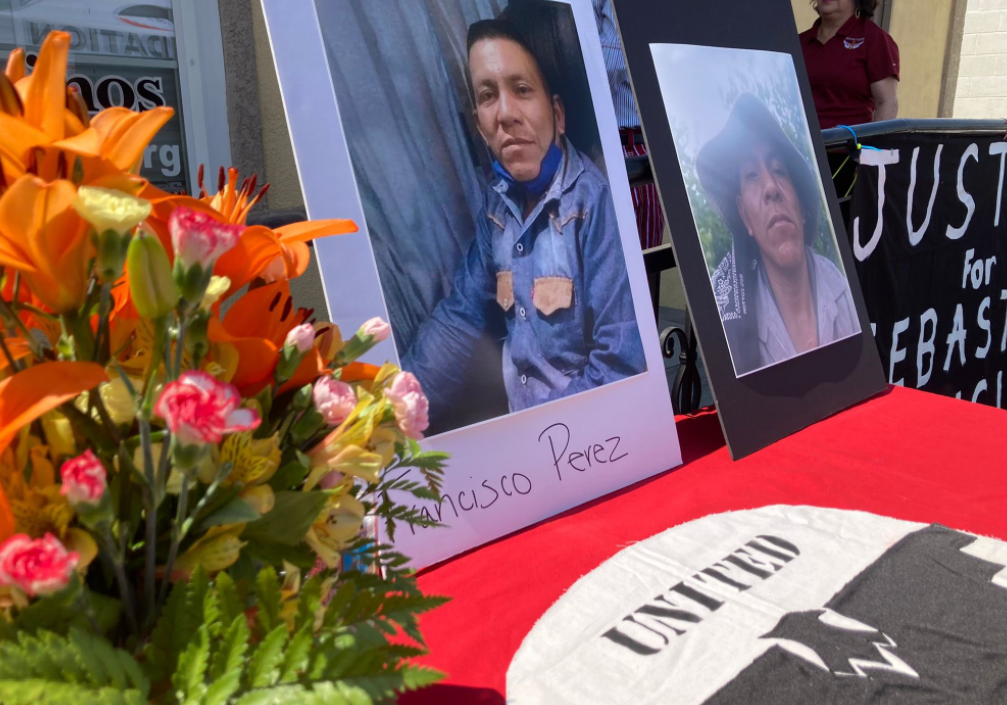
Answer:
(982, 75)
(278, 154)
(922, 29)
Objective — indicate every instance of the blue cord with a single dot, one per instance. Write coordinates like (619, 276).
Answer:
(856, 140)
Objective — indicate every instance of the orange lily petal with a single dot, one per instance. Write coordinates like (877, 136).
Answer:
(45, 99)
(257, 357)
(43, 236)
(30, 393)
(296, 258)
(266, 312)
(125, 148)
(20, 210)
(6, 518)
(359, 372)
(246, 261)
(86, 143)
(17, 136)
(15, 65)
(313, 229)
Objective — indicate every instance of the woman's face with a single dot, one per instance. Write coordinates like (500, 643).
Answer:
(836, 9)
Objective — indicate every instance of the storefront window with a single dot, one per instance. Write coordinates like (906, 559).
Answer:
(121, 54)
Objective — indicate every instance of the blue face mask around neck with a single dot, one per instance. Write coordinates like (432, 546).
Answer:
(537, 186)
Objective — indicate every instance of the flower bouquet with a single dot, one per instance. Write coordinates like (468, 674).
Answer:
(192, 470)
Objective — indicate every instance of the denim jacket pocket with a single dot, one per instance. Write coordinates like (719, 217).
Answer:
(505, 290)
(552, 294)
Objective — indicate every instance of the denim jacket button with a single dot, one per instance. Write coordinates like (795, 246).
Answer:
(520, 247)
(524, 379)
(522, 312)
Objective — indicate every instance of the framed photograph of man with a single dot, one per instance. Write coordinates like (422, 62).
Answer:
(475, 143)
(735, 144)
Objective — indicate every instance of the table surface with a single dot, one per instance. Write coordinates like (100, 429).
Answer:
(904, 454)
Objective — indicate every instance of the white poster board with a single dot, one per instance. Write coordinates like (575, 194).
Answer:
(386, 130)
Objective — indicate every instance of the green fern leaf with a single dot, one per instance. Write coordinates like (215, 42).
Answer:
(320, 694)
(223, 688)
(416, 677)
(188, 678)
(338, 604)
(295, 660)
(43, 692)
(405, 651)
(263, 669)
(309, 602)
(231, 654)
(268, 598)
(114, 660)
(90, 655)
(230, 602)
(212, 614)
(161, 654)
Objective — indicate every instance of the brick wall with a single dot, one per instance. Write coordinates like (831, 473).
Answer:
(982, 75)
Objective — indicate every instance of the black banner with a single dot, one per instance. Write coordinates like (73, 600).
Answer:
(930, 240)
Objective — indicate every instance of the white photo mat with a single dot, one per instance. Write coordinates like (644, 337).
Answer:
(504, 473)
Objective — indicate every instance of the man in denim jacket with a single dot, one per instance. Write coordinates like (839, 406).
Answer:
(547, 259)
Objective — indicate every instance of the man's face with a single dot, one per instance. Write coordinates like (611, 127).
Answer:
(769, 206)
(515, 113)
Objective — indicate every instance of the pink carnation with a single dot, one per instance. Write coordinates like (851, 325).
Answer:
(334, 400)
(301, 337)
(83, 479)
(198, 238)
(36, 567)
(199, 409)
(377, 329)
(412, 409)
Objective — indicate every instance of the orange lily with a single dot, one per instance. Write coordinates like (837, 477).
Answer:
(256, 326)
(49, 130)
(43, 237)
(276, 254)
(260, 253)
(30, 393)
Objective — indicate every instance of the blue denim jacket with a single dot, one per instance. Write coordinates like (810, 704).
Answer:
(557, 280)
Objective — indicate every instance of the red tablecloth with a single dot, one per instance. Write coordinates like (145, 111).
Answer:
(905, 454)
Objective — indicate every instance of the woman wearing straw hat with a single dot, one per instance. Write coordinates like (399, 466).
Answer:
(777, 297)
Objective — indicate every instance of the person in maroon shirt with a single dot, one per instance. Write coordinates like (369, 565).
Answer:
(853, 64)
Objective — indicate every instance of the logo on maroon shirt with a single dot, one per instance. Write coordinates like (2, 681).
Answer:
(853, 42)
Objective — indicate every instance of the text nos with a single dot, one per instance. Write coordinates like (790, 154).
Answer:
(112, 91)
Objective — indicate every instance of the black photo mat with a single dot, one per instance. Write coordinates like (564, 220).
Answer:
(760, 408)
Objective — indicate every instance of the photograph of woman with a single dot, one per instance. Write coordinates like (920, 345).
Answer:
(756, 194)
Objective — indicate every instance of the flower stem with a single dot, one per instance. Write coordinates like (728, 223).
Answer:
(103, 346)
(99, 404)
(176, 539)
(150, 509)
(179, 347)
(115, 558)
(14, 364)
(9, 314)
(83, 338)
